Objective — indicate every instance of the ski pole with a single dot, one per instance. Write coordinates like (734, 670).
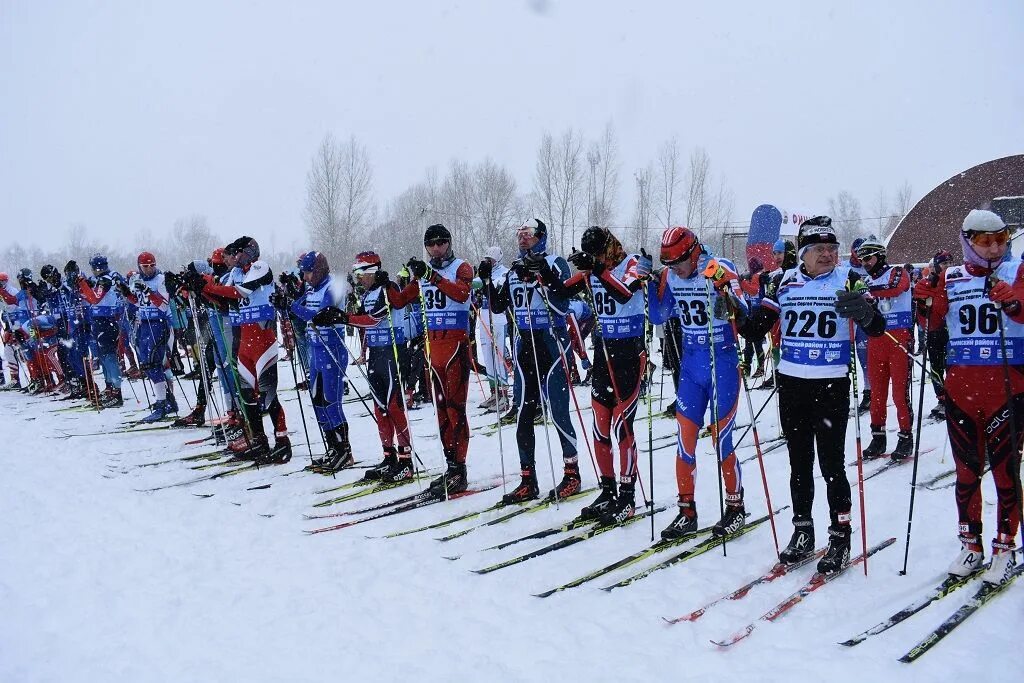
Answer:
(298, 397)
(917, 436)
(715, 434)
(489, 329)
(757, 447)
(860, 452)
(650, 398)
(1014, 445)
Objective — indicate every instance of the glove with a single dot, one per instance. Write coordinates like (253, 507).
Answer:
(173, 282)
(196, 282)
(721, 310)
(140, 287)
(855, 306)
(124, 289)
(644, 265)
(330, 316)
(763, 278)
(1004, 295)
(581, 260)
(381, 278)
(718, 275)
(104, 282)
(519, 268)
(279, 301)
(485, 269)
(420, 269)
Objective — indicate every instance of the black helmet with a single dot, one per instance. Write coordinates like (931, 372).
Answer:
(436, 232)
(594, 240)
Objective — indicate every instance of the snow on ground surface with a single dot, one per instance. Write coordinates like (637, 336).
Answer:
(102, 582)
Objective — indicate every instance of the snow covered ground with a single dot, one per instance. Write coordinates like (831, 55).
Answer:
(102, 582)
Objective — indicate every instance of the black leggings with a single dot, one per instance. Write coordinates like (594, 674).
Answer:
(816, 411)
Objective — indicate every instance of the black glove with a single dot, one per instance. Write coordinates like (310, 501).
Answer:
(763, 278)
(855, 306)
(580, 259)
(381, 278)
(535, 262)
(123, 288)
(173, 282)
(418, 268)
(140, 287)
(330, 316)
(520, 269)
(485, 269)
(721, 311)
(279, 301)
(195, 281)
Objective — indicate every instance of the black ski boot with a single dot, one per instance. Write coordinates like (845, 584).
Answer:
(622, 509)
(904, 446)
(837, 555)
(390, 458)
(865, 402)
(603, 503)
(684, 524)
(280, 454)
(734, 518)
(400, 470)
(452, 481)
(112, 398)
(938, 413)
(570, 484)
(876, 449)
(801, 545)
(510, 416)
(527, 489)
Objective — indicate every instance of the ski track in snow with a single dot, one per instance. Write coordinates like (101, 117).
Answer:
(99, 581)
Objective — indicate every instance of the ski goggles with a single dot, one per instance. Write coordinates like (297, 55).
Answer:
(435, 243)
(988, 239)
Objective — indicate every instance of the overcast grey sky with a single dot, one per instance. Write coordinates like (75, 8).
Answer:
(128, 115)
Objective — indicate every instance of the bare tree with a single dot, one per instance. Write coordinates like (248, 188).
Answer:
(497, 207)
(666, 182)
(191, 239)
(846, 215)
(709, 205)
(339, 200)
(568, 188)
(603, 181)
(545, 180)
(643, 209)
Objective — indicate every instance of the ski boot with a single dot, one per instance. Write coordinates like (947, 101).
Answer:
(280, 454)
(938, 413)
(971, 556)
(112, 398)
(603, 503)
(488, 403)
(684, 524)
(452, 481)
(769, 382)
(172, 404)
(622, 509)
(401, 469)
(801, 545)
(1003, 561)
(526, 491)
(510, 416)
(670, 412)
(734, 518)
(865, 402)
(876, 449)
(375, 472)
(197, 418)
(904, 446)
(759, 373)
(243, 450)
(160, 411)
(837, 554)
(570, 484)
(11, 386)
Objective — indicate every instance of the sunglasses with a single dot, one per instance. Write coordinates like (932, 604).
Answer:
(434, 243)
(988, 239)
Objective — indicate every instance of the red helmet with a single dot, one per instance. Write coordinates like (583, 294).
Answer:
(217, 257)
(679, 244)
(366, 262)
(4, 277)
(146, 259)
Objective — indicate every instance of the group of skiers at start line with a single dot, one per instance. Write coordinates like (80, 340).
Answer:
(817, 313)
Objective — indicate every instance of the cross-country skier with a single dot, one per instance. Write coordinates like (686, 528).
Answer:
(710, 368)
(148, 291)
(444, 283)
(540, 354)
(980, 302)
(814, 387)
(888, 356)
(105, 308)
(257, 350)
(616, 280)
(938, 337)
